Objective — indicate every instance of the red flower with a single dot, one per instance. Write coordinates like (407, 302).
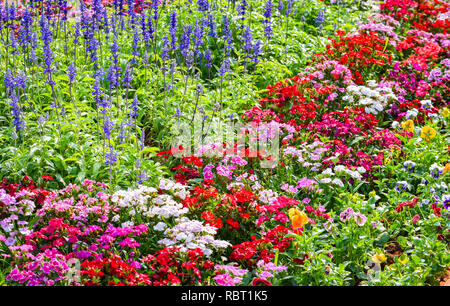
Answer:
(260, 282)
(47, 177)
(233, 223)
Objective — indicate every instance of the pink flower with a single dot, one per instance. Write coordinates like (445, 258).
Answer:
(281, 217)
(415, 219)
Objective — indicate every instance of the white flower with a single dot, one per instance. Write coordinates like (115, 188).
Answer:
(181, 236)
(372, 83)
(127, 223)
(339, 168)
(338, 182)
(160, 226)
(412, 113)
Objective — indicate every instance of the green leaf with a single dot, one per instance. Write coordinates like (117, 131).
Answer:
(382, 239)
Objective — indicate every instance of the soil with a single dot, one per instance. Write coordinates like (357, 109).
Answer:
(445, 280)
(393, 250)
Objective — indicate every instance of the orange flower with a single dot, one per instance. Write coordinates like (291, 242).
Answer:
(446, 168)
(299, 218)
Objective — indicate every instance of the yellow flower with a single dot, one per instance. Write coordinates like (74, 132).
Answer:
(404, 260)
(427, 133)
(445, 112)
(408, 125)
(446, 168)
(299, 218)
(380, 257)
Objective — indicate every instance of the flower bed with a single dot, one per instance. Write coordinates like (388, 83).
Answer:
(359, 194)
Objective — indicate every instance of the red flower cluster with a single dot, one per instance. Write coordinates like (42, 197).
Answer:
(38, 195)
(171, 268)
(250, 252)
(112, 272)
(409, 204)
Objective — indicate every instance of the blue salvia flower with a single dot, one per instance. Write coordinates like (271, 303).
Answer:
(84, 17)
(126, 82)
(212, 26)
(108, 126)
(134, 108)
(173, 29)
(203, 5)
(12, 12)
(114, 24)
(135, 51)
(227, 36)
(155, 7)
(189, 59)
(76, 34)
(111, 76)
(257, 51)
(178, 113)
(21, 81)
(33, 46)
(114, 51)
(208, 58)
(116, 5)
(9, 81)
(144, 31)
(104, 105)
(198, 35)
(27, 23)
(111, 157)
(150, 27)
(289, 8)
(131, 12)
(122, 134)
(241, 9)
(247, 40)
(267, 21)
(320, 19)
(97, 12)
(172, 67)
(142, 139)
(18, 123)
(13, 44)
(97, 92)
(185, 40)
(92, 49)
(105, 24)
(224, 68)
(165, 49)
(143, 177)
(280, 6)
(268, 9)
(72, 72)
(46, 37)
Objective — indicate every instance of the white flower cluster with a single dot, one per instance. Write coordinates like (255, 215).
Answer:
(178, 190)
(267, 196)
(327, 176)
(191, 234)
(309, 155)
(148, 203)
(374, 99)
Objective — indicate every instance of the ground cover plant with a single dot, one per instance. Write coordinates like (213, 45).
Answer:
(98, 190)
